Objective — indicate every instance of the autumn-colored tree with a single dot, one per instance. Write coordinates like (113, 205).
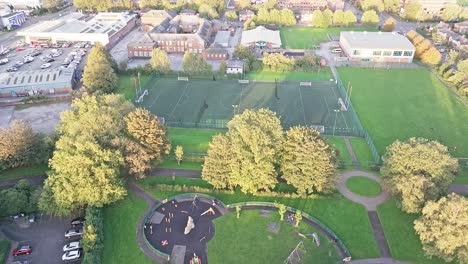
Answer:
(218, 162)
(232, 15)
(179, 153)
(422, 47)
(243, 3)
(451, 12)
(308, 161)
(370, 17)
(432, 56)
(416, 171)
(98, 74)
(349, 18)
(389, 25)
(277, 62)
(376, 5)
(281, 210)
(411, 35)
(443, 228)
(298, 217)
(160, 61)
(338, 17)
(392, 6)
(222, 67)
(413, 10)
(194, 63)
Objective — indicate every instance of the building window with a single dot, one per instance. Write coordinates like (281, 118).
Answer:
(356, 52)
(377, 53)
(397, 53)
(387, 53)
(408, 53)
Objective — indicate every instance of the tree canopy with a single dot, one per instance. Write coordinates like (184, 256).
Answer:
(389, 25)
(308, 161)
(413, 10)
(416, 171)
(443, 228)
(160, 61)
(218, 161)
(277, 62)
(451, 12)
(349, 18)
(194, 63)
(370, 17)
(376, 5)
(98, 74)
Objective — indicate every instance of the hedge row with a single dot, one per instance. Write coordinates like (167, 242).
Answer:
(93, 236)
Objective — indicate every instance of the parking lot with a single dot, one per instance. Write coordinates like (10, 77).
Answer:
(45, 236)
(18, 55)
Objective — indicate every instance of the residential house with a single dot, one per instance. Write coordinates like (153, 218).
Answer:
(215, 53)
(235, 67)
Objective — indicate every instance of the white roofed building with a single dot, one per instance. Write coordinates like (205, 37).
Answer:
(261, 37)
(376, 46)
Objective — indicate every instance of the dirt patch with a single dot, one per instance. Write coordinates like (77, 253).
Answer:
(42, 118)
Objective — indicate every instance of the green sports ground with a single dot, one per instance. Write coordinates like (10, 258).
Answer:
(210, 103)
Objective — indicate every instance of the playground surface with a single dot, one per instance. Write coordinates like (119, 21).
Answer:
(210, 103)
(165, 229)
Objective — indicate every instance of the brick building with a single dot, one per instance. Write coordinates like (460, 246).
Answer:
(215, 53)
(154, 18)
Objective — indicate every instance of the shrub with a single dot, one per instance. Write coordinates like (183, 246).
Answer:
(20, 198)
(93, 236)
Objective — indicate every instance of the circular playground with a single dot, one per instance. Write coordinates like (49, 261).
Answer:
(182, 230)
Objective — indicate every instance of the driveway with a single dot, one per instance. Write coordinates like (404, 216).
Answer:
(45, 236)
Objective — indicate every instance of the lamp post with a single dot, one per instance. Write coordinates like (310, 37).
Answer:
(234, 108)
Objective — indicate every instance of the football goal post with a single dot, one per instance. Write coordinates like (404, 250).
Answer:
(244, 81)
(343, 107)
(305, 84)
(182, 79)
(296, 255)
(141, 97)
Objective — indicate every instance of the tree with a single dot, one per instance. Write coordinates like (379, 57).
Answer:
(443, 228)
(222, 67)
(231, 15)
(263, 16)
(218, 162)
(243, 4)
(318, 20)
(98, 74)
(255, 137)
(179, 153)
(277, 62)
(411, 35)
(392, 6)
(416, 171)
(245, 54)
(308, 161)
(269, 4)
(452, 57)
(370, 17)
(376, 5)
(51, 4)
(432, 56)
(21, 146)
(20, 198)
(156, 4)
(207, 11)
(160, 61)
(349, 18)
(85, 167)
(281, 210)
(194, 63)
(298, 217)
(389, 25)
(413, 10)
(327, 18)
(338, 17)
(422, 47)
(463, 66)
(287, 17)
(451, 12)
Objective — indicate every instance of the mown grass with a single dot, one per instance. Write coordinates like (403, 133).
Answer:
(363, 186)
(170, 163)
(192, 140)
(361, 150)
(321, 73)
(23, 172)
(4, 246)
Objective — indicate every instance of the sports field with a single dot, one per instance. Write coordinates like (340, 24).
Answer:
(310, 38)
(208, 103)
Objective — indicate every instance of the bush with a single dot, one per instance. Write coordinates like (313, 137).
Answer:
(93, 236)
(21, 198)
(37, 97)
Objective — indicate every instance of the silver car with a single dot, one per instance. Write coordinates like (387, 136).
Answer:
(74, 232)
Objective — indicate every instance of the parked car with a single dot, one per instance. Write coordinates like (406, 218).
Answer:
(337, 50)
(71, 255)
(72, 246)
(3, 61)
(4, 52)
(32, 217)
(66, 45)
(22, 250)
(77, 221)
(49, 60)
(74, 232)
(28, 59)
(46, 65)
(36, 53)
(12, 69)
(20, 48)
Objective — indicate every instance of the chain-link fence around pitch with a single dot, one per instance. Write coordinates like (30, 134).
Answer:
(209, 103)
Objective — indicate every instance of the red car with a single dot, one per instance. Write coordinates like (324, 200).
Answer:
(20, 49)
(22, 250)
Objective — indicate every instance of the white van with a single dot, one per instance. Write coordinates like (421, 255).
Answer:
(337, 50)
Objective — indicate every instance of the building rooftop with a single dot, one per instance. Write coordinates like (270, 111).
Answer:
(235, 63)
(222, 37)
(35, 77)
(261, 34)
(102, 23)
(376, 40)
(215, 50)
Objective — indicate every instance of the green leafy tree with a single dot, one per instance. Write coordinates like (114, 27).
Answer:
(277, 62)
(93, 236)
(179, 153)
(218, 162)
(318, 20)
(349, 18)
(287, 17)
(20, 198)
(443, 228)
(432, 56)
(98, 74)
(389, 25)
(413, 10)
(247, 55)
(222, 67)
(269, 4)
(194, 63)
(376, 5)
(463, 66)
(263, 16)
(308, 161)
(370, 17)
(452, 57)
(451, 12)
(150, 4)
(51, 4)
(208, 11)
(327, 17)
(160, 61)
(416, 171)
(338, 18)
(298, 217)
(243, 4)
(255, 137)
(392, 6)
(231, 15)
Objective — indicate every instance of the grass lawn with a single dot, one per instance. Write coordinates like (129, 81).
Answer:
(364, 186)
(402, 103)
(185, 165)
(340, 145)
(462, 178)
(403, 241)
(322, 73)
(193, 140)
(120, 220)
(4, 246)
(349, 220)
(248, 241)
(309, 37)
(23, 172)
(126, 85)
(362, 150)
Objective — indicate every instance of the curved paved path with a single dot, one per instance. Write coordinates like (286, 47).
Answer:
(370, 203)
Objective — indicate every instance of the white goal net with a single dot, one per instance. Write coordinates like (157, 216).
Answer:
(182, 79)
(305, 83)
(244, 81)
